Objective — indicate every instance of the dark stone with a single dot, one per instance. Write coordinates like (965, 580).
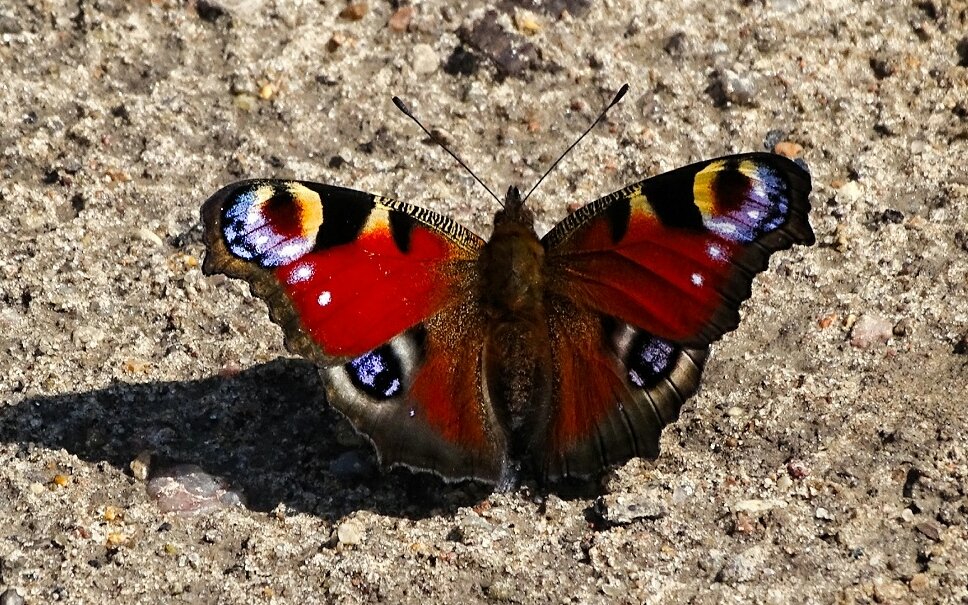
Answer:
(882, 68)
(675, 46)
(210, 11)
(510, 53)
(892, 216)
(962, 50)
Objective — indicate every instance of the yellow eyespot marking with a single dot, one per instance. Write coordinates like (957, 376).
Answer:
(309, 206)
(702, 188)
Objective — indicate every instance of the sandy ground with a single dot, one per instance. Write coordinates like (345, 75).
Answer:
(825, 460)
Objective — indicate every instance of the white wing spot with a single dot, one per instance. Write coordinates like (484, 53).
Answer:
(325, 297)
(714, 251)
(696, 279)
(754, 214)
(301, 274)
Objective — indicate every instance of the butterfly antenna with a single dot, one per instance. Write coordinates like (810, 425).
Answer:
(618, 97)
(406, 111)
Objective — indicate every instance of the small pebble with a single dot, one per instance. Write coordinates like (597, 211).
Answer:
(870, 330)
(87, 337)
(133, 365)
(622, 509)
(267, 91)
(11, 596)
(730, 87)
(141, 466)
(742, 567)
(501, 590)
(354, 12)
(919, 582)
(676, 45)
(526, 23)
(797, 469)
(335, 41)
(850, 192)
(757, 506)
(349, 533)
(614, 588)
(823, 514)
(245, 102)
(187, 489)
(788, 149)
(902, 328)
(425, 60)
(115, 540)
(826, 321)
(930, 529)
(400, 20)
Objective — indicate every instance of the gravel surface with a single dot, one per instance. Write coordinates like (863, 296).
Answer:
(825, 459)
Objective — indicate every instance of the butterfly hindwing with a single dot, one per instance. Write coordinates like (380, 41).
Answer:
(655, 273)
(419, 400)
(616, 388)
(377, 292)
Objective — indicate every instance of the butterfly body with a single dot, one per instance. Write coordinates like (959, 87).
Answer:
(560, 355)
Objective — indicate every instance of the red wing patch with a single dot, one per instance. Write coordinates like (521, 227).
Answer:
(353, 297)
(676, 254)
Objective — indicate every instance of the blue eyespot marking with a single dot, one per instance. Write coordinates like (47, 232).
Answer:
(649, 359)
(377, 373)
(764, 209)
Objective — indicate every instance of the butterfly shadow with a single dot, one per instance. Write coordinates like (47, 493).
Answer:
(266, 430)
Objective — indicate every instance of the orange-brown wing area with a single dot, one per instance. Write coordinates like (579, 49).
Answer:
(420, 400)
(616, 387)
(676, 254)
(342, 271)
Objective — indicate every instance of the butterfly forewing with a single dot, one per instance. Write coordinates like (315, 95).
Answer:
(675, 254)
(342, 271)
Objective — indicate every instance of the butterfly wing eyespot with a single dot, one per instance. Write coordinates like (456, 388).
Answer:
(653, 274)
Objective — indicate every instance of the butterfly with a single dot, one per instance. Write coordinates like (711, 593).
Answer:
(558, 356)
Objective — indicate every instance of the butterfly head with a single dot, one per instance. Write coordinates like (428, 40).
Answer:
(514, 210)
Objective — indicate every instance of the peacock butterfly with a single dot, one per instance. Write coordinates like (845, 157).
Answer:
(561, 356)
